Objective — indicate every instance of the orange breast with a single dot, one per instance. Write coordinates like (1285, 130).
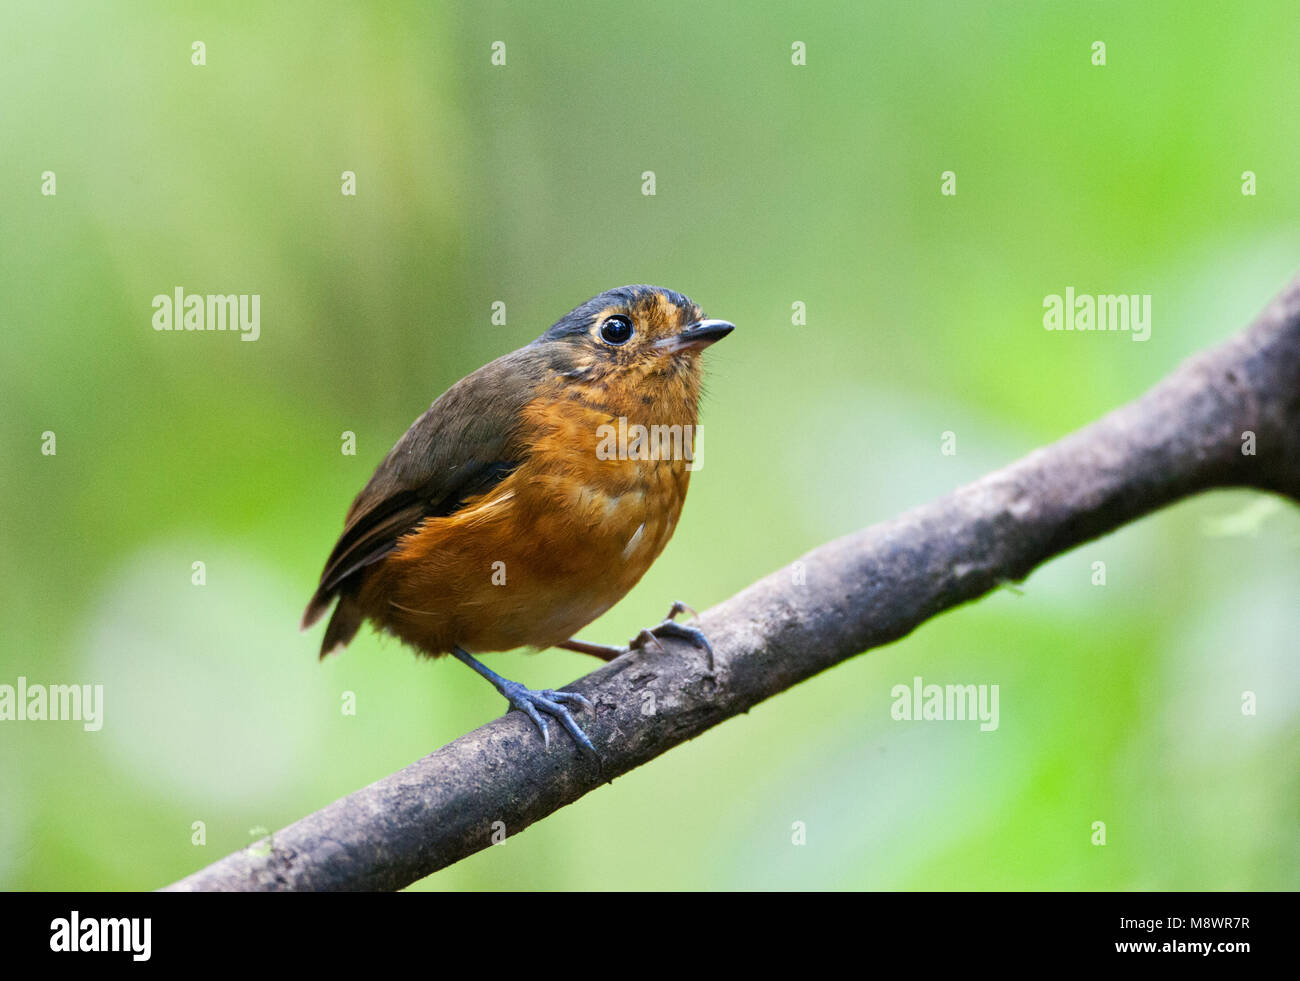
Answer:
(539, 557)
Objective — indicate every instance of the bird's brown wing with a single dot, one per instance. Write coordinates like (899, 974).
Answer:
(463, 445)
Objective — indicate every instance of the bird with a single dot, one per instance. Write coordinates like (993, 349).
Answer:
(515, 511)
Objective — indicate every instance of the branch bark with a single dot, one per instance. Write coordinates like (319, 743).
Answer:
(858, 592)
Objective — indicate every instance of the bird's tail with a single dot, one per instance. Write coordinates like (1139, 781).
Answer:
(343, 625)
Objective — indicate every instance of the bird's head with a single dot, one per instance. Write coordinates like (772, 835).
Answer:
(643, 339)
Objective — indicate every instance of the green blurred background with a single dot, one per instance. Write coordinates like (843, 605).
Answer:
(522, 183)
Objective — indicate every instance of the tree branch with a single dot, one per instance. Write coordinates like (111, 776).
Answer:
(852, 594)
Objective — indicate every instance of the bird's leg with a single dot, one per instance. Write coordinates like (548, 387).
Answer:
(531, 703)
(671, 628)
(651, 635)
(606, 652)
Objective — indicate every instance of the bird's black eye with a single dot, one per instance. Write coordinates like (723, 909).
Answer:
(616, 330)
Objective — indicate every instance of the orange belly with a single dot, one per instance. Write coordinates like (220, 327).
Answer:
(536, 559)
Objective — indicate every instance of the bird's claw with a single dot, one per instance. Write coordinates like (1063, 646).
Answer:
(646, 638)
(671, 628)
(679, 608)
(552, 703)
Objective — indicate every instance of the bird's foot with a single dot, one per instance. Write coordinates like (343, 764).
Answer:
(671, 628)
(553, 703)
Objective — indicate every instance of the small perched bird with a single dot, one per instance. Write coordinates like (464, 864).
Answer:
(505, 517)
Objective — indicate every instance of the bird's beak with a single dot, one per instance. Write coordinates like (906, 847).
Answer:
(697, 336)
